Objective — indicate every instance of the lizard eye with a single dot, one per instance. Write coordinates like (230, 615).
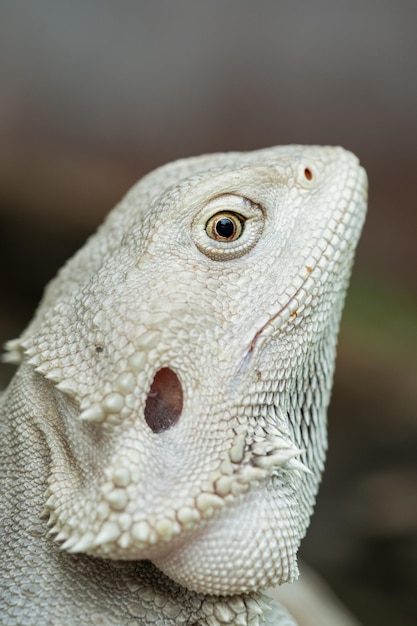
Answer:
(225, 226)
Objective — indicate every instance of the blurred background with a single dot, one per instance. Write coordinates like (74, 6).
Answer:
(94, 94)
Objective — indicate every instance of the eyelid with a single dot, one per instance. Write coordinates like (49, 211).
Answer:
(231, 203)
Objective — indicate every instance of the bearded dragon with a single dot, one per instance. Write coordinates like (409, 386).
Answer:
(164, 436)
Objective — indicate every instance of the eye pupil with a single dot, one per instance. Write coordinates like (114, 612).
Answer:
(225, 228)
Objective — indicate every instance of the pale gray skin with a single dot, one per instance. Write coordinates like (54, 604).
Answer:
(176, 504)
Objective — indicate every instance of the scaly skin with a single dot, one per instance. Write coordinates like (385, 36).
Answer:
(164, 436)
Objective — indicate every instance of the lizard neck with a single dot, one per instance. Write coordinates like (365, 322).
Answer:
(79, 588)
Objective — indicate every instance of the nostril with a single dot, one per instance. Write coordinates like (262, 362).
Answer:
(164, 402)
(308, 173)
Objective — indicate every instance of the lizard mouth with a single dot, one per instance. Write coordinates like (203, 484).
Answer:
(164, 401)
(287, 311)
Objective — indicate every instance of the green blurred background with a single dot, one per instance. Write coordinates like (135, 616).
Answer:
(94, 94)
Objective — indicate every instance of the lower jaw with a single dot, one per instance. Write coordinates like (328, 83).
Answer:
(246, 547)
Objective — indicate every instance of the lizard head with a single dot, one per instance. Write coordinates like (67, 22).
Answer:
(189, 348)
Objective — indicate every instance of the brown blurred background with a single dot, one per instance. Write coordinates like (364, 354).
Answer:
(94, 94)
